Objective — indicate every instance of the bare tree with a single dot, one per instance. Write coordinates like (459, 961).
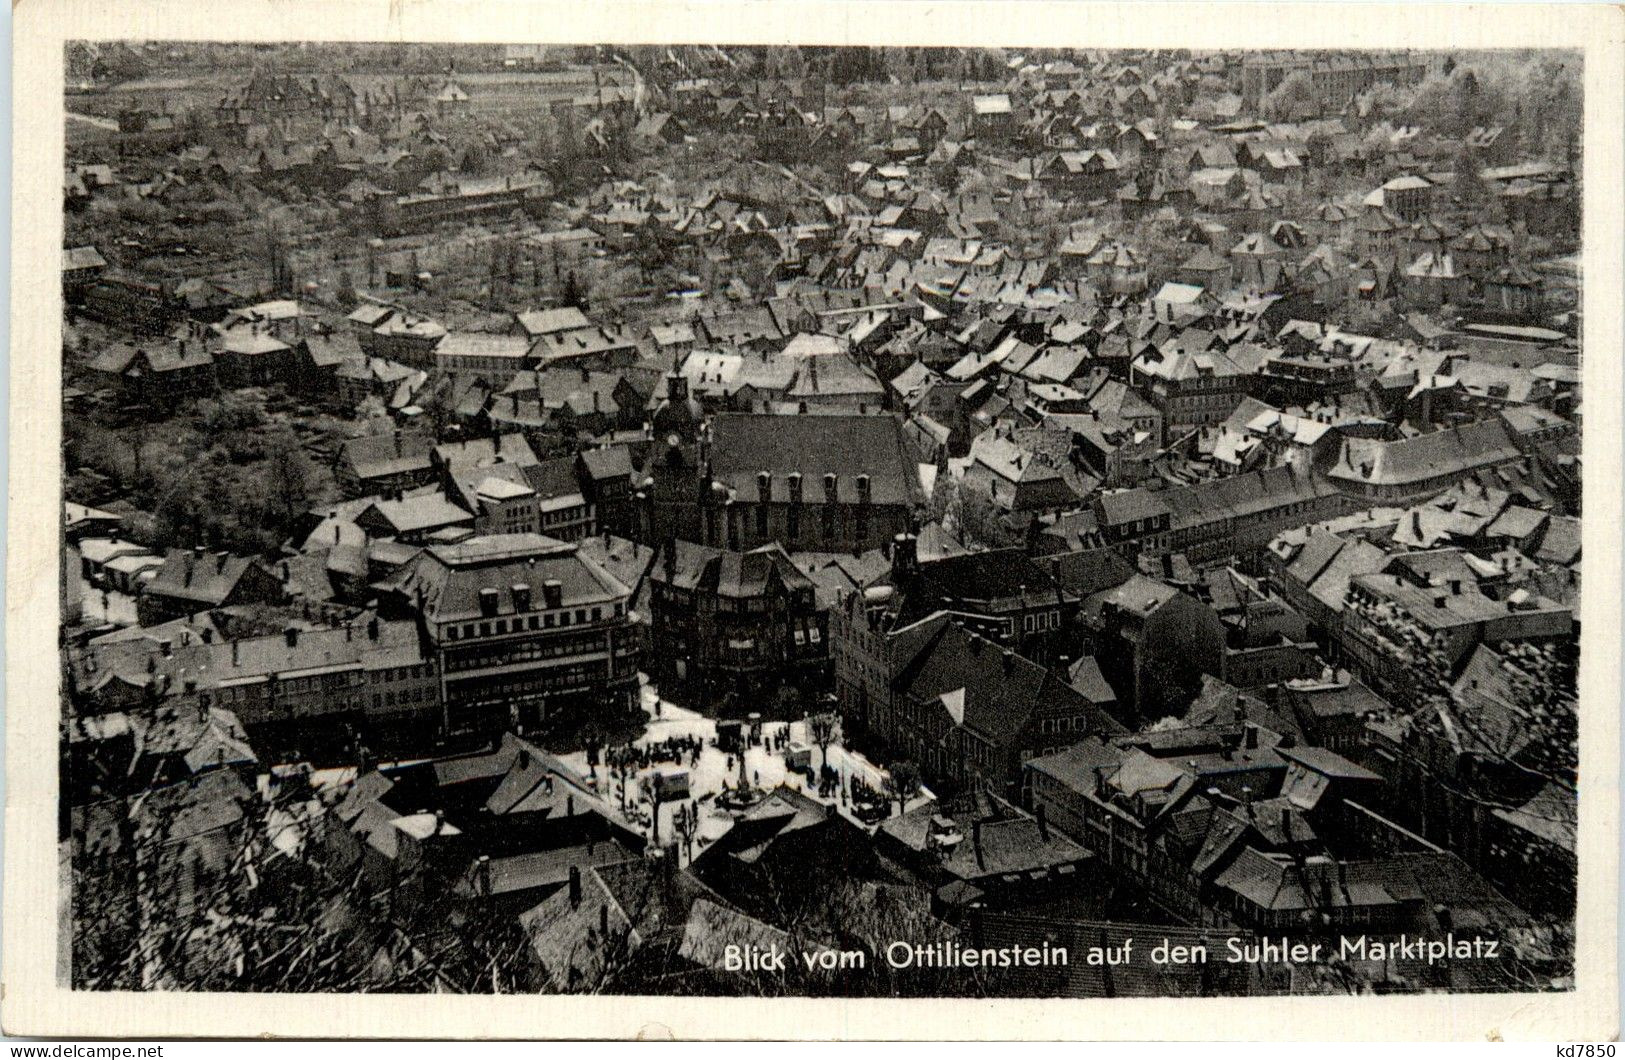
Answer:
(902, 783)
(822, 727)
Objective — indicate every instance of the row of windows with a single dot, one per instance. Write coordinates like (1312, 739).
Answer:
(1037, 623)
(1075, 723)
(567, 678)
(566, 515)
(421, 694)
(400, 673)
(521, 623)
(524, 651)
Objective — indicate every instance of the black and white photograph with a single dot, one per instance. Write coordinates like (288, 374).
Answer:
(819, 521)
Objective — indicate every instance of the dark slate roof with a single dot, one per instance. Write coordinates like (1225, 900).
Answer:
(207, 579)
(736, 575)
(386, 454)
(1001, 690)
(1011, 841)
(1455, 450)
(742, 445)
(451, 576)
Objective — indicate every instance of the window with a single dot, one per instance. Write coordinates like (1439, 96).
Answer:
(547, 621)
(485, 629)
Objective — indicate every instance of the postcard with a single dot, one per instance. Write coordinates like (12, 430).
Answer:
(814, 521)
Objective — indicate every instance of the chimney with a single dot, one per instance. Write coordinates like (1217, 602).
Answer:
(207, 634)
(575, 887)
(1286, 824)
(569, 805)
(372, 628)
(1043, 822)
(1009, 661)
(291, 635)
(976, 841)
(234, 653)
(603, 922)
(830, 481)
(764, 486)
(166, 648)
(863, 489)
(1249, 736)
(904, 556)
(521, 596)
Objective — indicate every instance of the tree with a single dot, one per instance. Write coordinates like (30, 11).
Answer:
(686, 823)
(902, 783)
(593, 743)
(345, 292)
(1540, 693)
(155, 907)
(822, 727)
(287, 479)
(1468, 187)
(1291, 99)
(573, 293)
(623, 767)
(978, 520)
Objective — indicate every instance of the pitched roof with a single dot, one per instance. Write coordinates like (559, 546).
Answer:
(451, 577)
(745, 444)
(1453, 451)
(1000, 691)
(207, 579)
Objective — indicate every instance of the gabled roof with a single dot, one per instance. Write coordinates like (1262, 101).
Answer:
(208, 579)
(744, 445)
(1455, 450)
